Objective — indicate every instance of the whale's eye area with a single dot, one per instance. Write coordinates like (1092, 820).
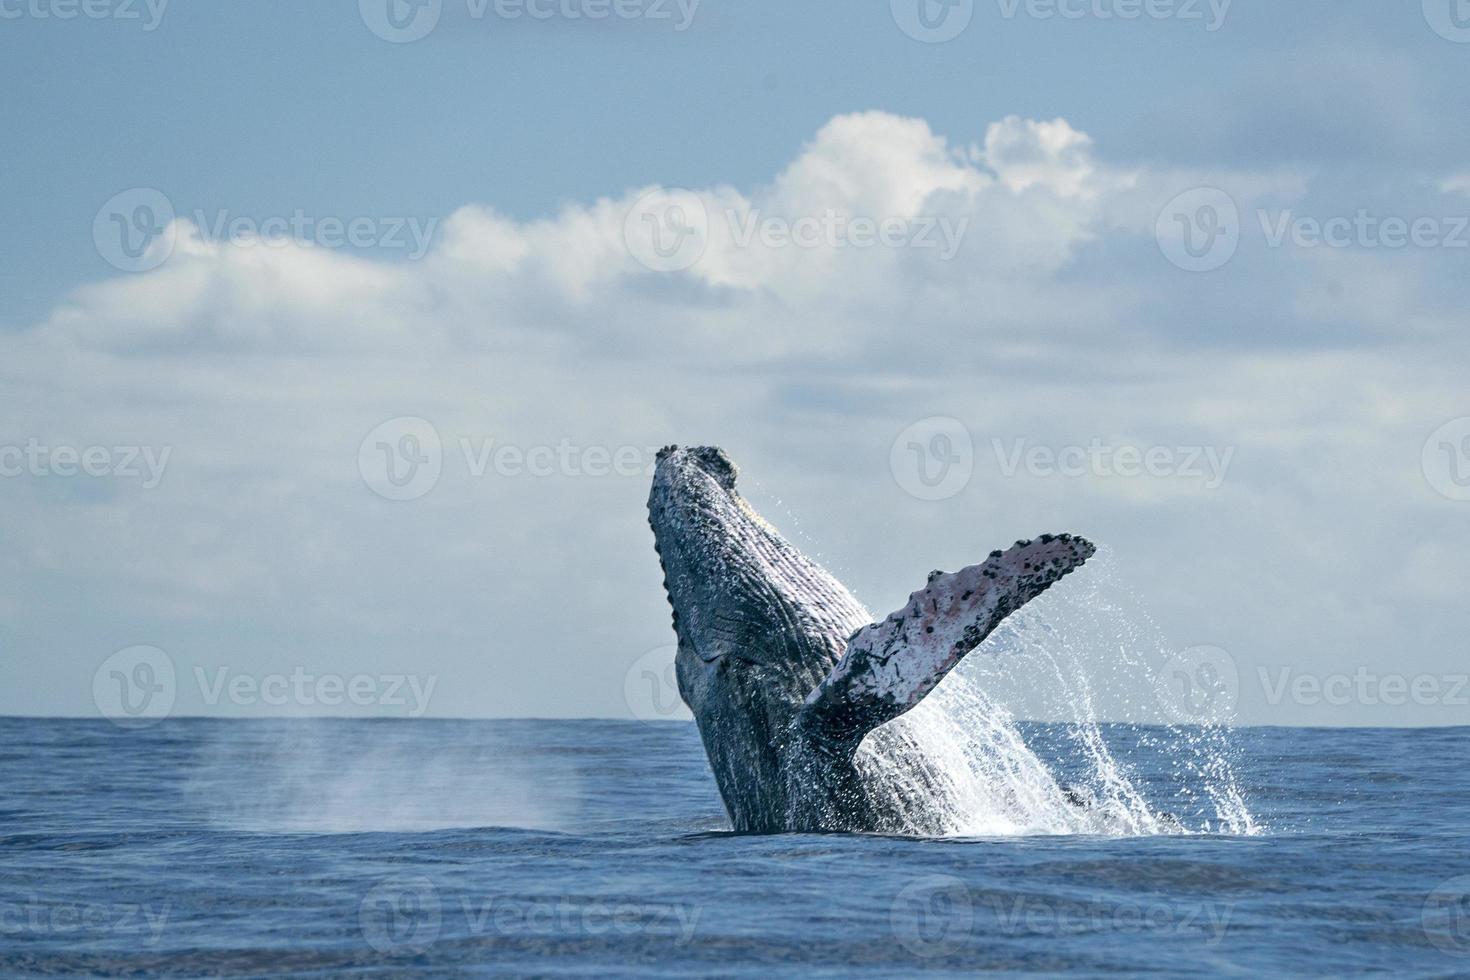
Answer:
(713, 461)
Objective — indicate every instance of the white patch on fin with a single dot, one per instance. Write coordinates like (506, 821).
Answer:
(888, 667)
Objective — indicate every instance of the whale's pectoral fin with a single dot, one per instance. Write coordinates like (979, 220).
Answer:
(888, 667)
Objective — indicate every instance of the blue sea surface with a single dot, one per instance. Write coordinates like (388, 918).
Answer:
(322, 848)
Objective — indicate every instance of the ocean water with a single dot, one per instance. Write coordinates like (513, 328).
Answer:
(322, 848)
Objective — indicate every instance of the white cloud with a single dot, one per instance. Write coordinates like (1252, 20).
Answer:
(1456, 184)
(1053, 155)
(264, 367)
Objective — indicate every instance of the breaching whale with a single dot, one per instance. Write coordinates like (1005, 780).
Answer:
(784, 670)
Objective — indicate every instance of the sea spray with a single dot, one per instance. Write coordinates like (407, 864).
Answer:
(960, 764)
(306, 776)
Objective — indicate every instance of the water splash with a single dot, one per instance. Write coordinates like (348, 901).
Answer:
(960, 764)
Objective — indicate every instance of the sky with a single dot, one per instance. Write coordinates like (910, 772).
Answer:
(336, 340)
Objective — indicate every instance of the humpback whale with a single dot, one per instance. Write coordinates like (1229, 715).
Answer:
(783, 668)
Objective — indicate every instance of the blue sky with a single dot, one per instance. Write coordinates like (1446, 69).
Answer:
(1054, 145)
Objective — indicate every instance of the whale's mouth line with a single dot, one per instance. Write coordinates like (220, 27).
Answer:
(695, 512)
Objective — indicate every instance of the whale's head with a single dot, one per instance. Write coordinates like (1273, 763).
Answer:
(759, 624)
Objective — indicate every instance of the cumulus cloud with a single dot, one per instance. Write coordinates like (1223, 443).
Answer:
(1054, 318)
